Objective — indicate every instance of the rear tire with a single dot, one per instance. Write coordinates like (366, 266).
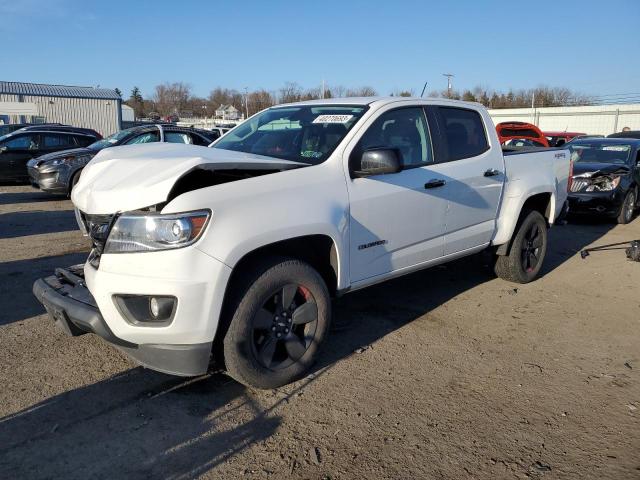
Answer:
(627, 209)
(279, 323)
(527, 251)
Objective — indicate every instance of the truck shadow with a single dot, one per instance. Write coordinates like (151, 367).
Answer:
(16, 281)
(22, 224)
(32, 196)
(140, 424)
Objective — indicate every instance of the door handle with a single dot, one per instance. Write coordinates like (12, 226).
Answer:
(492, 172)
(434, 183)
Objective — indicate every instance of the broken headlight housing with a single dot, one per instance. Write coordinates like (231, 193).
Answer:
(155, 231)
(603, 183)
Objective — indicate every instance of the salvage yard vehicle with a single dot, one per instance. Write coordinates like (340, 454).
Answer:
(21, 146)
(510, 131)
(606, 176)
(58, 172)
(231, 253)
(557, 139)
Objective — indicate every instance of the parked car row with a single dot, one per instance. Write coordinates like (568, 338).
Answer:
(51, 157)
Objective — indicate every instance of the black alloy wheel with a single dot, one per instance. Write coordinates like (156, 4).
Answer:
(531, 245)
(285, 326)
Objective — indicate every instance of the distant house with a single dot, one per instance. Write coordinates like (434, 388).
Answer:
(227, 112)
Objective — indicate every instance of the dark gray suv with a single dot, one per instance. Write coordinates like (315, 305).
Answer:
(58, 172)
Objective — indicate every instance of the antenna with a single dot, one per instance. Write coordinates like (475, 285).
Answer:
(449, 86)
(424, 88)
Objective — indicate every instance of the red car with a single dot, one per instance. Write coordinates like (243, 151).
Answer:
(521, 134)
(557, 139)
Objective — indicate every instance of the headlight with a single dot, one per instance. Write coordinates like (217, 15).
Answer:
(69, 160)
(603, 184)
(144, 233)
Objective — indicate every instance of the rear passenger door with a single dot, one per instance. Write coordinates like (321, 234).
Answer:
(54, 142)
(474, 174)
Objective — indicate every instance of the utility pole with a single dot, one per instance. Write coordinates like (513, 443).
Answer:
(246, 101)
(449, 86)
(323, 88)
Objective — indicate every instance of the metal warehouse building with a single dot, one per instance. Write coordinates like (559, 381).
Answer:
(88, 107)
(594, 119)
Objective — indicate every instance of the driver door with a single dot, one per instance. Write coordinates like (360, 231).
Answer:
(396, 220)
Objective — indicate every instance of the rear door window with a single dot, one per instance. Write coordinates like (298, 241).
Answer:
(463, 133)
(57, 141)
(177, 137)
(148, 137)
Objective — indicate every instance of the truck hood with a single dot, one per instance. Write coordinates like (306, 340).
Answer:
(132, 177)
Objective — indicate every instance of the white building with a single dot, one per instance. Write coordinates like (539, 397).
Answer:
(594, 120)
(88, 107)
(227, 112)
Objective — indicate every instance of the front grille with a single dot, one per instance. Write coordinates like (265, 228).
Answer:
(579, 184)
(98, 228)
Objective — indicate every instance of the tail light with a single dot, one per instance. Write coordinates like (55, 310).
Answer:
(570, 179)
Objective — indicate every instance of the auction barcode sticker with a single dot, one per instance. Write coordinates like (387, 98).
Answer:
(332, 118)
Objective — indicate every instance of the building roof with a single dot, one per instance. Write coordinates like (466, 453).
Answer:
(43, 90)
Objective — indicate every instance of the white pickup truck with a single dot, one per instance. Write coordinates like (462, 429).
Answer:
(230, 254)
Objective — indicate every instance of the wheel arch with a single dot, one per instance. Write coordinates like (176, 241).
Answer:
(543, 202)
(318, 250)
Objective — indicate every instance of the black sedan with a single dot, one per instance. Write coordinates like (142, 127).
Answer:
(606, 177)
(57, 173)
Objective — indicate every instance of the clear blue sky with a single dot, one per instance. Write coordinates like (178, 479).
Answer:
(591, 45)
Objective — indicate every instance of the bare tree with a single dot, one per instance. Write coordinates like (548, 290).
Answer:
(290, 92)
(171, 97)
(259, 100)
(361, 92)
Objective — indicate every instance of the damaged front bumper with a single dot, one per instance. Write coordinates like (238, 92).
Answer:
(596, 203)
(52, 179)
(69, 303)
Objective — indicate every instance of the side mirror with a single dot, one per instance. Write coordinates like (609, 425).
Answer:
(379, 161)
(3, 149)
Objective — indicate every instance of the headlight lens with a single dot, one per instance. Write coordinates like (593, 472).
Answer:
(69, 160)
(603, 184)
(144, 233)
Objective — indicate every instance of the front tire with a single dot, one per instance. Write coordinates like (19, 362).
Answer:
(74, 180)
(278, 325)
(527, 252)
(627, 208)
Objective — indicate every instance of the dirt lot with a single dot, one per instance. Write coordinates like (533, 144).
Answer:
(448, 373)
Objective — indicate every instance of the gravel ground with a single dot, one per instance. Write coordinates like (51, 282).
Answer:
(447, 373)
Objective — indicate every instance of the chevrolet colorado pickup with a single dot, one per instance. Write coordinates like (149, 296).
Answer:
(229, 254)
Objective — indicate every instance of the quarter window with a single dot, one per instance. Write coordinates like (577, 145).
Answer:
(464, 132)
(404, 130)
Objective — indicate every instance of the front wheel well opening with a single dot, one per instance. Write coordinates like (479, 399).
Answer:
(319, 251)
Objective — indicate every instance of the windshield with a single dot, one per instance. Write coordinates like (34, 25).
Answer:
(111, 140)
(599, 153)
(307, 134)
